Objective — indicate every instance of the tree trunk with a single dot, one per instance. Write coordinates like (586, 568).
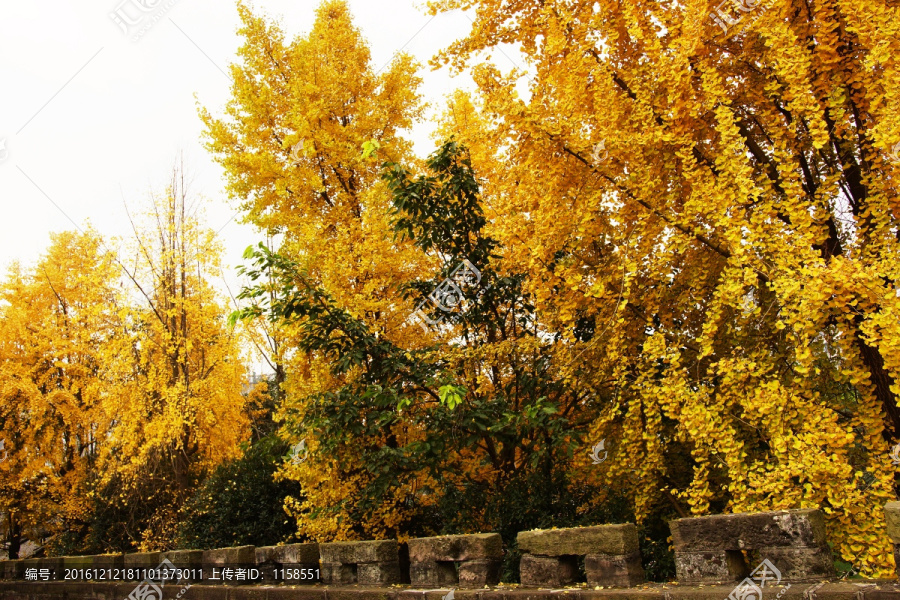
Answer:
(13, 537)
(882, 381)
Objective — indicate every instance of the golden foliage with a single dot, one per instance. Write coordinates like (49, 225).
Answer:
(119, 376)
(56, 320)
(725, 208)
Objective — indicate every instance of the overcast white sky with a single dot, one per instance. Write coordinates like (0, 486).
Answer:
(90, 116)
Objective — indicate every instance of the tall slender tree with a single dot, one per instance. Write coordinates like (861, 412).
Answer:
(179, 410)
(301, 141)
(57, 321)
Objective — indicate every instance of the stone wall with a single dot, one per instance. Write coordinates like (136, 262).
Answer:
(712, 555)
(112, 591)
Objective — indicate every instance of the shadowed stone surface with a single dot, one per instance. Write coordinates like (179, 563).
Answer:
(12, 569)
(367, 563)
(710, 566)
(215, 560)
(800, 564)
(432, 573)
(749, 531)
(77, 562)
(378, 573)
(546, 570)
(183, 559)
(220, 557)
(479, 573)
(602, 539)
(456, 547)
(143, 560)
(338, 573)
(304, 554)
(109, 561)
(614, 570)
(297, 556)
(359, 552)
(54, 565)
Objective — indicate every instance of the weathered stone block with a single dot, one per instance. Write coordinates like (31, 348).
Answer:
(31, 563)
(303, 554)
(188, 562)
(215, 561)
(379, 573)
(623, 570)
(240, 555)
(295, 556)
(13, 570)
(548, 570)
(77, 562)
(749, 531)
(359, 552)
(433, 573)
(109, 561)
(337, 573)
(55, 565)
(479, 573)
(801, 564)
(892, 517)
(140, 561)
(456, 547)
(709, 567)
(580, 541)
(183, 559)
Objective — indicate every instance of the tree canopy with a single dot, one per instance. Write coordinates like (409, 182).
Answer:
(691, 240)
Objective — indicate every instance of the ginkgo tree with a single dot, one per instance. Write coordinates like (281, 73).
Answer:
(301, 140)
(57, 320)
(722, 208)
(178, 407)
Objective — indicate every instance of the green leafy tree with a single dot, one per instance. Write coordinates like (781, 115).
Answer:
(241, 503)
(473, 431)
